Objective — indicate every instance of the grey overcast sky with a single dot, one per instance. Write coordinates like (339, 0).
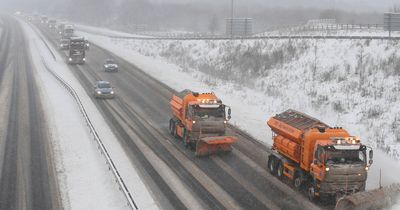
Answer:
(353, 5)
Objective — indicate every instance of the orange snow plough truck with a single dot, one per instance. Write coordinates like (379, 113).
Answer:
(200, 119)
(326, 161)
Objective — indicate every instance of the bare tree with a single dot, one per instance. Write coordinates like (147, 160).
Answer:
(315, 65)
(361, 56)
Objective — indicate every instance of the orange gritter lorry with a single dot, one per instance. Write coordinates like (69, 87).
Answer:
(327, 161)
(200, 120)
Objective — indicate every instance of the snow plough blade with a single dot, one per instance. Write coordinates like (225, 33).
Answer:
(374, 199)
(213, 145)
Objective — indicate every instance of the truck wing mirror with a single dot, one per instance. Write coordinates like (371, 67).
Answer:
(229, 113)
(371, 156)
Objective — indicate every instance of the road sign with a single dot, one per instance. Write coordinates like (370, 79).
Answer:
(391, 22)
(239, 26)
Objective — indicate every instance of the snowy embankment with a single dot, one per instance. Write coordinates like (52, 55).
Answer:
(105, 32)
(84, 179)
(331, 31)
(354, 84)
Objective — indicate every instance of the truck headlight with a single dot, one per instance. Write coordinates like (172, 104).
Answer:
(225, 121)
(84, 59)
(366, 168)
(112, 92)
(327, 169)
(70, 59)
(194, 122)
(98, 92)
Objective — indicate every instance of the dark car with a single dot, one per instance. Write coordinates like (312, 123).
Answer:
(103, 89)
(110, 66)
(64, 44)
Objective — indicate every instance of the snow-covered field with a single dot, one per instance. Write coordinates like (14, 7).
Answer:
(84, 179)
(349, 83)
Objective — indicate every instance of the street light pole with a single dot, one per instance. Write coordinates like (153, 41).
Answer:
(231, 18)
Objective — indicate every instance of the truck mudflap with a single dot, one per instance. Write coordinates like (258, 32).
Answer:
(374, 199)
(213, 145)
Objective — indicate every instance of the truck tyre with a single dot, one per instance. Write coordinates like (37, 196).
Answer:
(175, 134)
(279, 169)
(192, 145)
(311, 193)
(312, 190)
(271, 164)
(185, 139)
(171, 127)
(297, 180)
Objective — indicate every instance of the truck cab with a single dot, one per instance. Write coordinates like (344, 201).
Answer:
(76, 53)
(339, 167)
(200, 119)
(68, 31)
(327, 160)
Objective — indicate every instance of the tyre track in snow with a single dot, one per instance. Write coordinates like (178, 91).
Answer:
(27, 174)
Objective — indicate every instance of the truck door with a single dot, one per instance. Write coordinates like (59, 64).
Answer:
(317, 167)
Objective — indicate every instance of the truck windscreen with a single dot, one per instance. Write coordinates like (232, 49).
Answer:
(76, 52)
(205, 113)
(345, 156)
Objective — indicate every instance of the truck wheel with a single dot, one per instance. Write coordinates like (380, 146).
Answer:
(311, 193)
(279, 169)
(297, 181)
(192, 145)
(171, 127)
(175, 134)
(271, 164)
(185, 139)
(312, 190)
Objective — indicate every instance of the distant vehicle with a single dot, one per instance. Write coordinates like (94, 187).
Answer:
(60, 28)
(64, 44)
(52, 23)
(68, 31)
(103, 89)
(76, 54)
(110, 66)
(44, 19)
